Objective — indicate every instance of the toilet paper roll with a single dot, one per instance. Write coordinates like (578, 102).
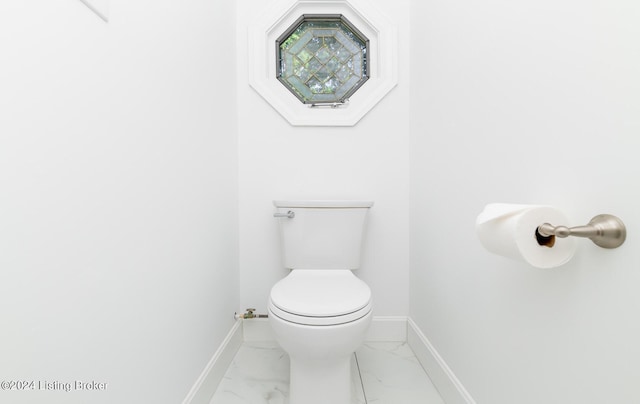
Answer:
(510, 230)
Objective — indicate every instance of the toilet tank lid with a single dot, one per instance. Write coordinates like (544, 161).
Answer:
(322, 204)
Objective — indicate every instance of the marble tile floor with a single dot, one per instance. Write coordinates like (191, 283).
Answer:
(382, 373)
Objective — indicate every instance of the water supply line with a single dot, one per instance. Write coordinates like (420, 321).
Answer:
(249, 315)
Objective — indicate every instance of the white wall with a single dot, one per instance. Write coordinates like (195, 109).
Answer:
(118, 229)
(530, 102)
(368, 161)
(119, 192)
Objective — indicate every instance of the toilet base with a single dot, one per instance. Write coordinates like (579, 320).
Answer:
(321, 381)
(320, 358)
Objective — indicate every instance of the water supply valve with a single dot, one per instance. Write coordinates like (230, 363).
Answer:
(249, 315)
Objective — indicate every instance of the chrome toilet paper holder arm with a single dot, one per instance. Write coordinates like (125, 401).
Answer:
(606, 231)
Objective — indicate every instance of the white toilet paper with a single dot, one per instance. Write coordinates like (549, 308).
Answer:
(509, 230)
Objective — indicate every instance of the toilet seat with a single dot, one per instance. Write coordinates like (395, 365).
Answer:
(320, 297)
(318, 321)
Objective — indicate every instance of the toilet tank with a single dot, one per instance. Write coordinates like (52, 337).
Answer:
(322, 234)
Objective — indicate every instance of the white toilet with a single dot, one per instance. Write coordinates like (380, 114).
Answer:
(320, 312)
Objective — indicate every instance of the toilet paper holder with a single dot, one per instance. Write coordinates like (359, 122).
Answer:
(606, 231)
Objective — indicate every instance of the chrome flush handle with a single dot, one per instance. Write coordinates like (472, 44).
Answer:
(290, 214)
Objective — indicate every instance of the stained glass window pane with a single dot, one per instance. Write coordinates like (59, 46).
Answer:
(322, 59)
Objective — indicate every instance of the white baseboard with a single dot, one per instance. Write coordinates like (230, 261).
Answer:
(387, 328)
(443, 378)
(383, 328)
(257, 329)
(204, 388)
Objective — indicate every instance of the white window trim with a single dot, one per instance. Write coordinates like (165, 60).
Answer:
(268, 25)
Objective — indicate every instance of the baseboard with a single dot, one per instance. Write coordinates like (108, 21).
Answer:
(257, 330)
(383, 328)
(387, 328)
(204, 388)
(443, 378)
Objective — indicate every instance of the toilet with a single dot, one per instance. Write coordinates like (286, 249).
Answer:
(319, 313)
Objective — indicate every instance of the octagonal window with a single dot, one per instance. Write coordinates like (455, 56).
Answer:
(322, 59)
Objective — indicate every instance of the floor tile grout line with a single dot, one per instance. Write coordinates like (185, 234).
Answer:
(255, 370)
(364, 393)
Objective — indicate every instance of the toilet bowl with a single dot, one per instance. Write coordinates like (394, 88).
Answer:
(319, 313)
(319, 317)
